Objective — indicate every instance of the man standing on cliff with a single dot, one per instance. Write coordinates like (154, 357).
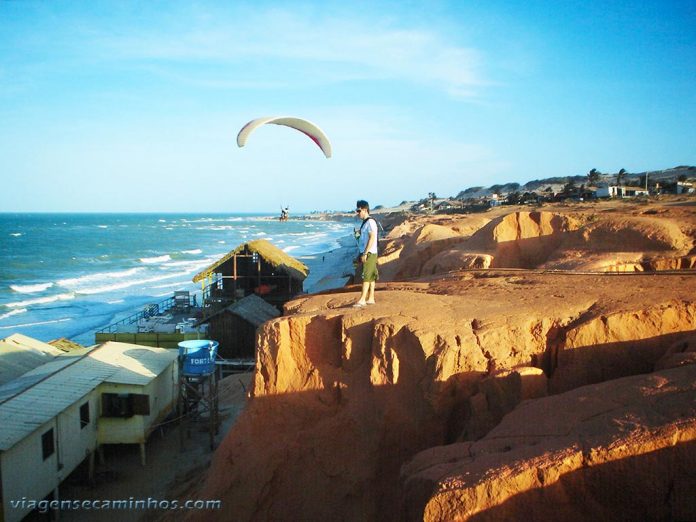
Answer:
(367, 245)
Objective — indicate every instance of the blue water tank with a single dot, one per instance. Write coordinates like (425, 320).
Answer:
(197, 357)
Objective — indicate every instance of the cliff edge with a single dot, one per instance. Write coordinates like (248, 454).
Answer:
(380, 413)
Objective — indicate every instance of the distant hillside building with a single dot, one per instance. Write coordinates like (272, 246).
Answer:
(617, 191)
(685, 187)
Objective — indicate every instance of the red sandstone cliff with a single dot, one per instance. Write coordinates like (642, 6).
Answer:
(343, 397)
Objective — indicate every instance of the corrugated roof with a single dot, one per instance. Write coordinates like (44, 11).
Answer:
(71, 379)
(20, 354)
(136, 364)
(270, 253)
(26, 381)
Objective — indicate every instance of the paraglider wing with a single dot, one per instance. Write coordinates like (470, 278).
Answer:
(304, 126)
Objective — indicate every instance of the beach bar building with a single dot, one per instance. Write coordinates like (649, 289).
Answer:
(257, 267)
(56, 415)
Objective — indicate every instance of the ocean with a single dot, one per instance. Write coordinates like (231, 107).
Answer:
(69, 275)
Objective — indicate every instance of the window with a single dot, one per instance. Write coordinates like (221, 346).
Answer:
(48, 446)
(125, 404)
(84, 415)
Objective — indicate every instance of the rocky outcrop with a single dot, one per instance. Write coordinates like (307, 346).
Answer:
(681, 353)
(580, 241)
(496, 393)
(344, 397)
(620, 450)
(403, 254)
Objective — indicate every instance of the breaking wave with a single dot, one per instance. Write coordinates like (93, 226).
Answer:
(31, 289)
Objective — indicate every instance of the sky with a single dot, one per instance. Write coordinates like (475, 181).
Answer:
(134, 106)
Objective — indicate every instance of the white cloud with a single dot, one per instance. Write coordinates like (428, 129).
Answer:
(301, 49)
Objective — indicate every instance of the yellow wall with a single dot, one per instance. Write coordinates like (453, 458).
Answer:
(135, 429)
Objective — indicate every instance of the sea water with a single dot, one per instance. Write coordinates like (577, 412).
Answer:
(69, 275)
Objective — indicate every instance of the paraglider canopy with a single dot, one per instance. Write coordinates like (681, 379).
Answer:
(304, 126)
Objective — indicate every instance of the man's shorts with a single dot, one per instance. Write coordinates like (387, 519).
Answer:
(369, 269)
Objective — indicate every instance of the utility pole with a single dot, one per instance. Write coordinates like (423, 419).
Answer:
(646, 181)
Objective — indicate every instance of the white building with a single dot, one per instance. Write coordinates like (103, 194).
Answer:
(685, 187)
(56, 415)
(616, 191)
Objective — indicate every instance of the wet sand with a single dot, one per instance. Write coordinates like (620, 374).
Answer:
(332, 269)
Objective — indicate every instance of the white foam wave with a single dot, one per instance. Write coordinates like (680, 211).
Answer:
(116, 301)
(77, 282)
(16, 234)
(158, 259)
(31, 289)
(35, 324)
(187, 265)
(102, 226)
(180, 284)
(127, 284)
(217, 227)
(194, 251)
(41, 300)
(13, 312)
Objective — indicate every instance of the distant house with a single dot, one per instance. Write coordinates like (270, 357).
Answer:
(234, 327)
(55, 416)
(447, 205)
(685, 187)
(616, 191)
(257, 267)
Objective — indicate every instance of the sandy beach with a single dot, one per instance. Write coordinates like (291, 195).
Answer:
(330, 269)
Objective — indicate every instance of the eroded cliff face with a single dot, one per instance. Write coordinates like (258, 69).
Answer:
(344, 397)
(621, 450)
(594, 238)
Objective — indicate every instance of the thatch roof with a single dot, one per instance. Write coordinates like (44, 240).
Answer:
(270, 253)
(66, 345)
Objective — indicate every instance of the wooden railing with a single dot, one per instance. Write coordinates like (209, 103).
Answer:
(149, 310)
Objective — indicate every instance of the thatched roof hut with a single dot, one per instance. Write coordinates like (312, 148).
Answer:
(257, 267)
(270, 253)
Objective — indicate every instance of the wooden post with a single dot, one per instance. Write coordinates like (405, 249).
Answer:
(100, 450)
(90, 473)
(258, 270)
(142, 454)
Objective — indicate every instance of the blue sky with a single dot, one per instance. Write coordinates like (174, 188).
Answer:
(135, 106)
